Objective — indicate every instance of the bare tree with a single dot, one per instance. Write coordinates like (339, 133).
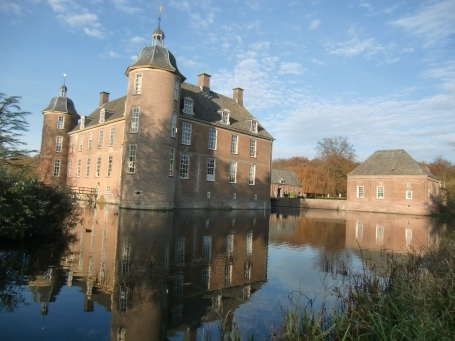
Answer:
(12, 124)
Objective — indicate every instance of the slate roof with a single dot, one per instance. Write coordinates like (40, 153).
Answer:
(289, 177)
(391, 162)
(207, 106)
(62, 104)
(156, 56)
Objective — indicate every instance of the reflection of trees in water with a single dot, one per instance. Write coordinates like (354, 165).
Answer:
(22, 261)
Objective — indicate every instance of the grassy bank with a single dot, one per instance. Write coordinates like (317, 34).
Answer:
(411, 298)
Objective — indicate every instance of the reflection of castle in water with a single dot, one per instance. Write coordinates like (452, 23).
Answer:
(176, 270)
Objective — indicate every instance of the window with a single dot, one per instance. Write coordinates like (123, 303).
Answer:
(98, 167)
(360, 192)
(228, 274)
(132, 158)
(409, 184)
(58, 144)
(87, 167)
(205, 279)
(225, 117)
(408, 236)
(135, 120)
(253, 148)
(180, 251)
(89, 141)
(254, 126)
(188, 106)
(184, 166)
(206, 247)
(186, 133)
(208, 195)
(81, 142)
(100, 138)
(108, 189)
(61, 122)
(358, 230)
(212, 139)
(137, 83)
(70, 168)
(178, 291)
(111, 137)
(379, 233)
(72, 144)
(174, 124)
(78, 169)
(210, 169)
(234, 144)
(230, 244)
(233, 172)
(176, 90)
(171, 161)
(109, 165)
(102, 115)
(57, 163)
(252, 175)
(380, 192)
(247, 269)
(249, 243)
(409, 194)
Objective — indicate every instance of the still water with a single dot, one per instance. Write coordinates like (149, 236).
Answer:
(142, 275)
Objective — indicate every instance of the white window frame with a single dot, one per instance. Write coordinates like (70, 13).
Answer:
(408, 194)
(213, 137)
(253, 148)
(70, 168)
(249, 243)
(87, 167)
(252, 175)
(360, 192)
(134, 120)
(234, 144)
(100, 138)
(81, 142)
(211, 166)
(58, 144)
(108, 189)
(60, 122)
(89, 140)
(176, 89)
(380, 192)
(225, 117)
(188, 106)
(184, 172)
(111, 136)
(57, 167)
(98, 167)
(110, 160)
(102, 115)
(171, 161)
(379, 233)
(137, 83)
(71, 144)
(254, 126)
(358, 230)
(132, 153)
(186, 133)
(232, 172)
(78, 169)
(82, 124)
(174, 124)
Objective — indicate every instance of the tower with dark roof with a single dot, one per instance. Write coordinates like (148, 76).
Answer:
(151, 112)
(60, 117)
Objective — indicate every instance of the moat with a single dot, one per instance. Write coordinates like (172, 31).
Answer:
(148, 275)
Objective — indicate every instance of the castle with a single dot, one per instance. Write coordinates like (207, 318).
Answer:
(166, 144)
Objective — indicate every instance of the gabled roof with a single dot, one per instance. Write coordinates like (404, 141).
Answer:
(114, 109)
(289, 177)
(207, 107)
(391, 162)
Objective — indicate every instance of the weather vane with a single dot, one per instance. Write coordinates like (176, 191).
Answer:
(64, 77)
(159, 19)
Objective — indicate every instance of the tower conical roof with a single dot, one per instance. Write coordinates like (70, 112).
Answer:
(62, 103)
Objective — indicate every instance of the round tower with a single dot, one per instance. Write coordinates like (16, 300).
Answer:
(151, 114)
(60, 117)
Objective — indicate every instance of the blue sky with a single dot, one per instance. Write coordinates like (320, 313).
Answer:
(381, 73)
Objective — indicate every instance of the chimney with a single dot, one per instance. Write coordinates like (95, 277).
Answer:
(238, 96)
(104, 98)
(203, 81)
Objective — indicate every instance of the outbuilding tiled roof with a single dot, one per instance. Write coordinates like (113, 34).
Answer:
(391, 162)
(207, 107)
(289, 177)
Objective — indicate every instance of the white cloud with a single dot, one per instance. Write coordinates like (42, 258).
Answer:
(10, 7)
(314, 24)
(137, 40)
(290, 68)
(355, 46)
(317, 61)
(123, 6)
(260, 45)
(113, 54)
(434, 22)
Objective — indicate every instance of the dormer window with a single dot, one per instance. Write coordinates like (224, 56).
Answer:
(254, 126)
(188, 106)
(281, 181)
(137, 83)
(82, 125)
(225, 117)
(102, 115)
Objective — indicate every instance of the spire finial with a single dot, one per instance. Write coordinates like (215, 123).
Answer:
(63, 88)
(158, 34)
(159, 18)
